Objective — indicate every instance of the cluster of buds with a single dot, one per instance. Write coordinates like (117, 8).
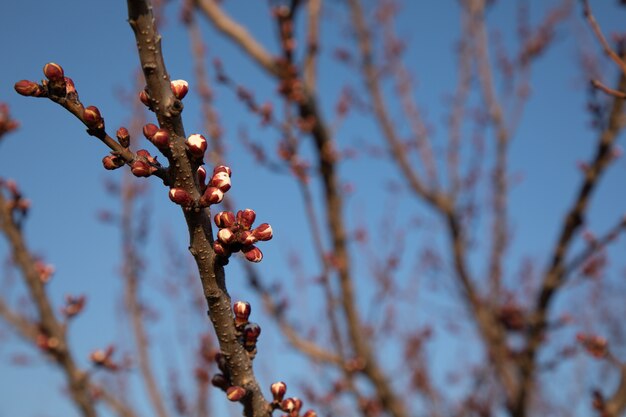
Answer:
(73, 305)
(596, 346)
(44, 271)
(57, 84)
(213, 192)
(47, 343)
(248, 332)
(159, 137)
(144, 164)
(291, 405)
(102, 358)
(235, 234)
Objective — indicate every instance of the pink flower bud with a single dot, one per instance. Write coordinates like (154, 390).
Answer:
(278, 390)
(179, 88)
(226, 236)
(53, 71)
(197, 145)
(144, 98)
(141, 169)
(112, 162)
(246, 238)
(309, 413)
(201, 172)
(180, 197)
(251, 332)
(150, 130)
(123, 137)
(298, 405)
(252, 253)
(220, 249)
(224, 219)
(222, 168)
(211, 196)
(70, 88)
(161, 139)
(288, 405)
(28, 88)
(263, 232)
(242, 311)
(235, 393)
(92, 117)
(245, 218)
(221, 180)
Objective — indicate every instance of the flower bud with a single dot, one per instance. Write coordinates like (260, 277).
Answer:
(161, 139)
(28, 88)
(226, 236)
(298, 405)
(219, 381)
(251, 333)
(224, 219)
(288, 405)
(150, 130)
(70, 88)
(253, 254)
(263, 232)
(123, 137)
(222, 168)
(92, 117)
(141, 169)
(112, 162)
(247, 238)
(179, 88)
(211, 196)
(53, 71)
(221, 180)
(309, 413)
(242, 311)
(201, 172)
(278, 390)
(144, 98)
(220, 249)
(245, 218)
(180, 197)
(197, 145)
(235, 393)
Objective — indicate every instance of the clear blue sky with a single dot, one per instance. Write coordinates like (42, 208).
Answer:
(58, 165)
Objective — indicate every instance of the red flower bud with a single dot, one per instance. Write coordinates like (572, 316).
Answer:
(246, 238)
(288, 405)
(242, 311)
(251, 332)
(112, 162)
(224, 219)
(263, 232)
(69, 86)
(235, 393)
(123, 137)
(252, 253)
(298, 405)
(197, 145)
(180, 197)
(226, 236)
(92, 117)
(222, 168)
(150, 130)
(220, 249)
(179, 88)
(278, 390)
(141, 169)
(201, 175)
(245, 218)
(211, 196)
(309, 413)
(221, 180)
(144, 98)
(28, 88)
(161, 139)
(53, 71)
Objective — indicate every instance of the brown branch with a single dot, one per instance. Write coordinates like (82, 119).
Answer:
(198, 221)
(555, 276)
(621, 63)
(77, 380)
(310, 59)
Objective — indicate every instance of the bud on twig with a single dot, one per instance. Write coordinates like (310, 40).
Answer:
(245, 218)
(144, 98)
(161, 139)
(235, 393)
(201, 175)
(123, 137)
(219, 381)
(92, 117)
(179, 88)
(141, 169)
(253, 254)
(226, 236)
(242, 312)
(220, 249)
(263, 232)
(211, 196)
(224, 219)
(278, 390)
(222, 168)
(53, 71)
(180, 197)
(221, 180)
(150, 130)
(197, 145)
(112, 162)
(28, 88)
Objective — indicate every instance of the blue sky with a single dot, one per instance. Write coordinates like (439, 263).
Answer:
(58, 166)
